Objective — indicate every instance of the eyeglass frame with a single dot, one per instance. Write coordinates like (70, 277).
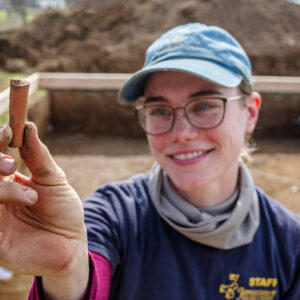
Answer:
(224, 99)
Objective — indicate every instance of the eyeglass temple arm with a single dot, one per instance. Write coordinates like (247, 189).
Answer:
(234, 98)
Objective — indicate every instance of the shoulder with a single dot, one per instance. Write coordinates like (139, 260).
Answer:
(119, 198)
(278, 210)
(283, 222)
(136, 186)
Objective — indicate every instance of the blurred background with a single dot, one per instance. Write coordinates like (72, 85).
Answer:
(92, 137)
(112, 35)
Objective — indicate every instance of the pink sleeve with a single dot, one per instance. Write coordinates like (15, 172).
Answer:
(100, 277)
(99, 282)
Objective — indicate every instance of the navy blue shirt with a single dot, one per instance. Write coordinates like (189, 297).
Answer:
(152, 261)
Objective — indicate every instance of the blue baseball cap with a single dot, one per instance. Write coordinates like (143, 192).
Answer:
(205, 51)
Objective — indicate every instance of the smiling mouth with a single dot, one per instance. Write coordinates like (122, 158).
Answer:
(185, 156)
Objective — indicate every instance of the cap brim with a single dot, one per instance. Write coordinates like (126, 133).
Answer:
(208, 70)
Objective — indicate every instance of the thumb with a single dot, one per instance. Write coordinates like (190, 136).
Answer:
(38, 159)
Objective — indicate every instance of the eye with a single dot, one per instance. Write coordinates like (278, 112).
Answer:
(159, 111)
(199, 106)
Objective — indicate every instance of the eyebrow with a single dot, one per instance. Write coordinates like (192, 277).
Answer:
(194, 95)
(154, 99)
(205, 93)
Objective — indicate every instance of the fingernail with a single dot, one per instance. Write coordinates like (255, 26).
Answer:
(5, 129)
(5, 133)
(30, 195)
(8, 163)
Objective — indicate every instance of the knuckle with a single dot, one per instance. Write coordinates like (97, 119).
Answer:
(49, 176)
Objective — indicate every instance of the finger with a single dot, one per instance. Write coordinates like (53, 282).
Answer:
(14, 193)
(7, 165)
(5, 136)
(38, 159)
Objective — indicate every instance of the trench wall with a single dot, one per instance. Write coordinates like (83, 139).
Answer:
(98, 112)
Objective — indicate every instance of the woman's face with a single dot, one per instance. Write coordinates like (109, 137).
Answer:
(195, 158)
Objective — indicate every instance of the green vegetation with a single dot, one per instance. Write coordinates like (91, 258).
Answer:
(12, 19)
(3, 15)
(4, 118)
(31, 15)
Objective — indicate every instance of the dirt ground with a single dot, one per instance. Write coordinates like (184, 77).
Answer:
(112, 35)
(90, 161)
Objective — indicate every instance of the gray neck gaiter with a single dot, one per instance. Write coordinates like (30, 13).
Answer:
(230, 224)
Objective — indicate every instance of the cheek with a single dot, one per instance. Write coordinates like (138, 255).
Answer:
(237, 123)
(231, 134)
(156, 144)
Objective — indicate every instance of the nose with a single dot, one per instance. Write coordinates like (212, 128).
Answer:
(182, 129)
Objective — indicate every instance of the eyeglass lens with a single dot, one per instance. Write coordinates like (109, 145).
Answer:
(201, 113)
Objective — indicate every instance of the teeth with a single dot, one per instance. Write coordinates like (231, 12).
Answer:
(188, 155)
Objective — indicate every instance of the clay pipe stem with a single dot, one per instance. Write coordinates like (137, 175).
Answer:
(18, 97)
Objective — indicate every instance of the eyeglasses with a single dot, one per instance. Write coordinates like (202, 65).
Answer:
(204, 113)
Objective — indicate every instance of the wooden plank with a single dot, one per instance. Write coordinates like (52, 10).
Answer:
(82, 81)
(276, 84)
(4, 101)
(113, 81)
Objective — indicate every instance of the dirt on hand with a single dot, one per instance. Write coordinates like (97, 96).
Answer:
(112, 35)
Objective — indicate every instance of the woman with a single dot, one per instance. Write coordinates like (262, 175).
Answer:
(193, 227)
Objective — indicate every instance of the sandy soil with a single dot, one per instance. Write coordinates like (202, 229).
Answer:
(90, 161)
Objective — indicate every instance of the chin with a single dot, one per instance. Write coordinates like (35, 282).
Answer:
(188, 184)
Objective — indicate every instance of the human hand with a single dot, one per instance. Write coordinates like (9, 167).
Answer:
(42, 228)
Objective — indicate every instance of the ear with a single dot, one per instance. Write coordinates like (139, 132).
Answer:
(253, 103)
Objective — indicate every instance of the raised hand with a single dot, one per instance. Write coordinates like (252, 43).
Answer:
(42, 228)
